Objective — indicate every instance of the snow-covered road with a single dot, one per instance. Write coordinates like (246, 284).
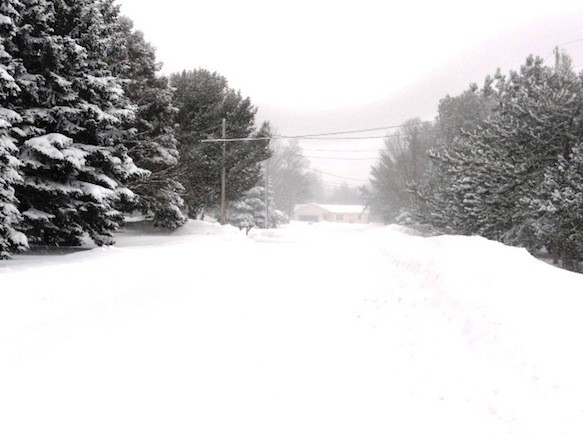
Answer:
(317, 331)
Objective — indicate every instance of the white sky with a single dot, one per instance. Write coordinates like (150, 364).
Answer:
(315, 66)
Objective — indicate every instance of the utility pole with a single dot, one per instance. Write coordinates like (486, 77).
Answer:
(266, 194)
(224, 177)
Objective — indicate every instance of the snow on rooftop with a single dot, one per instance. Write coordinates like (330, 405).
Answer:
(336, 208)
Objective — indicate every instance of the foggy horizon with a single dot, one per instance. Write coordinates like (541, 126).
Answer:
(371, 100)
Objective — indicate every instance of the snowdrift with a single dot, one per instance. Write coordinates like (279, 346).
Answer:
(309, 330)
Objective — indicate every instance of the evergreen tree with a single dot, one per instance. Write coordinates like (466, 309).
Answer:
(555, 207)
(464, 113)
(516, 176)
(439, 198)
(72, 110)
(251, 211)
(10, 239)
(204, 99)
(560, 224)
(153, 147)
(535, 126)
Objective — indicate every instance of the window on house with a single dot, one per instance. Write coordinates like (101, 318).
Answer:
(339, 217)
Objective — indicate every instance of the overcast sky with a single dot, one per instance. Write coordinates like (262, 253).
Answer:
(318, 66)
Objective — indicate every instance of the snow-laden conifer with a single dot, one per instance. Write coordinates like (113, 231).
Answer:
(515, 178)
(10, 239)
(253, 211)
(204, 99)
(73, 109)
(153, 144)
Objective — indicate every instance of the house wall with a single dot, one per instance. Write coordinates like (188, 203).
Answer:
(315, 213)
(351, 218)
(307, 211)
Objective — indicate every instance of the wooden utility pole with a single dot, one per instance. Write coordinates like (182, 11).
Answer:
(224, 177)
(266, 194)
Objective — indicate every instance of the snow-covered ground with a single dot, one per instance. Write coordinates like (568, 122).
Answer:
(321, 330)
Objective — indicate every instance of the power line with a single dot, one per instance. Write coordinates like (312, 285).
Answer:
(561, 45)
(297, 137)
(339, 176)
(339, 184)
(341, 158)
(382, 128)
(570, 42)
(322, 136)
(342, 150)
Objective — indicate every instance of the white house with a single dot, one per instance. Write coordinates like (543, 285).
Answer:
(313, 212)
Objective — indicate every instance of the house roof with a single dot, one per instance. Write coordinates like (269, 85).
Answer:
(336, 208)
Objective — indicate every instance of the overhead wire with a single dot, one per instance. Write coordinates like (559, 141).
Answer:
(356, 131)
(561, 45)
(341, 158)
(326, 135)
(570, 42)
(321, 136)
(342, 150)
(279, 137)
(339, 176)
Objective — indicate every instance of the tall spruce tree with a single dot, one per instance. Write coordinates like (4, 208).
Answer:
(73, 109)
(204, 99)
(10, 239)
(153, 146)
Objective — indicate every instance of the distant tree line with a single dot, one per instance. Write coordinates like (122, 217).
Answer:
(503, 161)
(90, 130)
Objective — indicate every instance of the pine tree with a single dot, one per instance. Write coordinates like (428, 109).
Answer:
(204, 99)
(440, 199)
(10, 239)
(248, 212)
(251, 210)
(560, 224)
(516, 177)
(557, 204)
(534, 126)
(73, 109)
(153, 147)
